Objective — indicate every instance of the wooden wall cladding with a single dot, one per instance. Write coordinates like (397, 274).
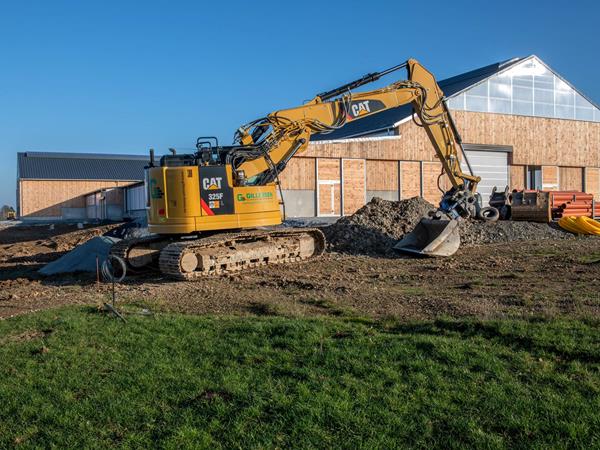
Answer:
(299, 174)
(592, 182)
(329, 169)
(571, 178)
(391, 148)
(550, 178)
(517, 177)
(353, 184)
(329, 186)
(535, 141)
(382, 175)
(431, 172)
(45, 198)
(330, 200)
(410, 176)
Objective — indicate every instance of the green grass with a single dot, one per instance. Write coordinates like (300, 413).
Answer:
(74, 378)
(590, 258)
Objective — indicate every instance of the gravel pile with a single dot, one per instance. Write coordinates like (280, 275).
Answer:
(376, 227)
(474, 232)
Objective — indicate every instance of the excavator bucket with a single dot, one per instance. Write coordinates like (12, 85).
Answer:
(431, 237)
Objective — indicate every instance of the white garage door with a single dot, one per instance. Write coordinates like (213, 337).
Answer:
(491, 166)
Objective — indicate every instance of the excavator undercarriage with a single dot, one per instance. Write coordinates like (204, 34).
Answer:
(220, 253)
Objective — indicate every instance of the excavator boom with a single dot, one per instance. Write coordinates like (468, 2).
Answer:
(287, 132)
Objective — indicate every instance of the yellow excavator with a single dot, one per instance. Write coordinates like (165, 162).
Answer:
(209, 212)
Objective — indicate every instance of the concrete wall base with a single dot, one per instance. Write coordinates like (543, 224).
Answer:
(299, 202)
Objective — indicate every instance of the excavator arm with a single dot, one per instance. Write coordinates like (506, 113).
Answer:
(433, 115)
(269, 143)
(266, 146)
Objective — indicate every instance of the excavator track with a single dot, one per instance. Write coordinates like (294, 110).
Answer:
(232, 252)
(147, 255)
(221, 253)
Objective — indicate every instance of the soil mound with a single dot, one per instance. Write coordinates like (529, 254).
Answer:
(377, 226)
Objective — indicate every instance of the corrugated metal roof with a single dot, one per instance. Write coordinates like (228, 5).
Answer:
(385, 120)
(80, 166)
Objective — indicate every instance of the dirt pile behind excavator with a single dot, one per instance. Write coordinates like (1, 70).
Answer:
(380, 224)
(376, 227)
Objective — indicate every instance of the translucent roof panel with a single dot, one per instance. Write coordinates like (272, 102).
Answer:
(528, 88)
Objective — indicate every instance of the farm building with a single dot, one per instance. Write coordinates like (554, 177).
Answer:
(523, 125)
(76, 186)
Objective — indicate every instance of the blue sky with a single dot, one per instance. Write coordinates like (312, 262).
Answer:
(120, 76)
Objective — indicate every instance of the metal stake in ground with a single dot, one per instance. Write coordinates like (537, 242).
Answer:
(114, 270)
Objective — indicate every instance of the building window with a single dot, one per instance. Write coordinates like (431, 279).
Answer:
(534, 177)
(528, 89)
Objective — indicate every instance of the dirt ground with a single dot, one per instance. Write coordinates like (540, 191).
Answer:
(519, 279)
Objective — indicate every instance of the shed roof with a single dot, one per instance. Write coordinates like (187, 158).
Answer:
(80, 166)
